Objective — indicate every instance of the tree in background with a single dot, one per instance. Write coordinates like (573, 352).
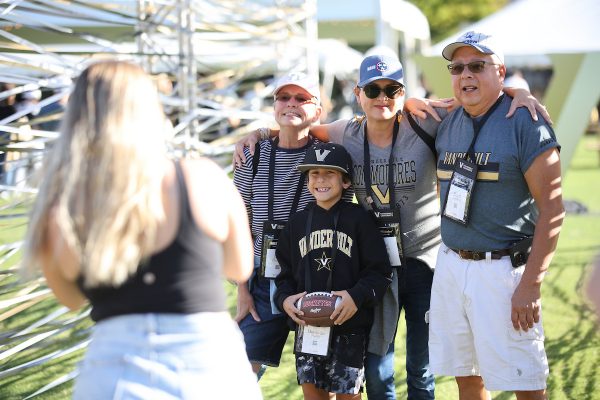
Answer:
(447, 16)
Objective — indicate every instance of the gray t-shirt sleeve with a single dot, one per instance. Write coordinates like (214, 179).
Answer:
(534, 139)
(336, 130)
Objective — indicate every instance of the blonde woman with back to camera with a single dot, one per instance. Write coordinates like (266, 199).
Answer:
(147, 241)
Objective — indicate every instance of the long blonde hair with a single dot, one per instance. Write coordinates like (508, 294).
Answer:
(102, 177)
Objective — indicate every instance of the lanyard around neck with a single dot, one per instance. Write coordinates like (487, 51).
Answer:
(478, 125)
(271, 184)
(367, 169)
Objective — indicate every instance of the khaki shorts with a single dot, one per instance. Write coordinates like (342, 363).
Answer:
(470, 330)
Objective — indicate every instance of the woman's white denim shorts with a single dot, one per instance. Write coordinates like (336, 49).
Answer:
(166, 356)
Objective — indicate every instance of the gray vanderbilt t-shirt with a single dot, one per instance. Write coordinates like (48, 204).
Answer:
(413, 165)
(502, 209)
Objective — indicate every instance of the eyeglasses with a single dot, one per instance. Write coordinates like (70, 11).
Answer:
(284, 98)
(391, 91)
(475, 67)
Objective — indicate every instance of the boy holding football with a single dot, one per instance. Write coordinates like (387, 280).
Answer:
(332, 246)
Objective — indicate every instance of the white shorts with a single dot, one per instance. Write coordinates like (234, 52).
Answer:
(470, 330)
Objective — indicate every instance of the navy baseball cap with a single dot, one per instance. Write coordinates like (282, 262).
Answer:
(379, 66)
(327, 155)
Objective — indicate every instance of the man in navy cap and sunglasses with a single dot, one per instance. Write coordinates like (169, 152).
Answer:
(502, 211)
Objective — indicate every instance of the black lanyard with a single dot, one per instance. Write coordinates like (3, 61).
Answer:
(271, 185)
(307, 274)
(391, 183)
(478, 124)
(367, 169)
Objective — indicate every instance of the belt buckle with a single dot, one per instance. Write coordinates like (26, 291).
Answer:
(476, 256)
(464, 254)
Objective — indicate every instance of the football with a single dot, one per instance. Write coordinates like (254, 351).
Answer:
(318, 307)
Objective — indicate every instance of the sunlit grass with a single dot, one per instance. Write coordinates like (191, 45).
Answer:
(572, 337)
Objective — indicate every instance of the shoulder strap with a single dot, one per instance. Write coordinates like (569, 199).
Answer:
(185, 212)
(255, 159)
(429, 141)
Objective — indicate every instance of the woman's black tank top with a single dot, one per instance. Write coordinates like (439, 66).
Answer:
(184, 278)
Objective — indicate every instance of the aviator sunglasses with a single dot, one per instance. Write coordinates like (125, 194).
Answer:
(475, 67)
(300, 99)
(391, 91)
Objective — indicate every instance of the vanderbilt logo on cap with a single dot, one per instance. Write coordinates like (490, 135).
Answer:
(295, 76)
(321, 154)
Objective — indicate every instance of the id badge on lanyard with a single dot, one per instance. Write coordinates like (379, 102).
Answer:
(313, 340)
(460, 191)
(269, 266)
(464, 177)
(388, 222)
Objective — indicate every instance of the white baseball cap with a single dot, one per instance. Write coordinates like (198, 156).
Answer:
(480, 41)
(311, 85)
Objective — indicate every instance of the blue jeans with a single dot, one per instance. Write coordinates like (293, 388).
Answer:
(414, 281)
(166, 356)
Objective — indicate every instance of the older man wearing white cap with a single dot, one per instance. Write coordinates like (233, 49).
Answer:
(272, 189)
(502, 210)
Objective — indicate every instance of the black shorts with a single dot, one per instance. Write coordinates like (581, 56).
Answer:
(342, 372)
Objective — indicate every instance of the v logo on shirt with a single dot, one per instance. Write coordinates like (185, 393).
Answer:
(383, 198)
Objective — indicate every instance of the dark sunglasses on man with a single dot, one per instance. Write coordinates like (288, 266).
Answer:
(392, 91)
(475, 67)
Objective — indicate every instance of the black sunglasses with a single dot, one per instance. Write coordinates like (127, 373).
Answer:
(475, 67)
(391, 91)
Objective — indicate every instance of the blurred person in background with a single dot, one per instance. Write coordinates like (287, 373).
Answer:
(7, 108)
(516, 80)
(28, 101)
(119, 224)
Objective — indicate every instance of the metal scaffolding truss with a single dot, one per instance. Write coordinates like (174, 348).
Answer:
(198, 44)
(215, 63)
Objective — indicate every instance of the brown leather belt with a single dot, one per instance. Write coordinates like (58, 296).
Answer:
(480, 255)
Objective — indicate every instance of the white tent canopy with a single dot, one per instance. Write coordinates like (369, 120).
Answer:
(531, 32)
(534, 27)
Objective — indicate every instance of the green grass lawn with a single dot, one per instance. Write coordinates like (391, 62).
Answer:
(572, 336)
